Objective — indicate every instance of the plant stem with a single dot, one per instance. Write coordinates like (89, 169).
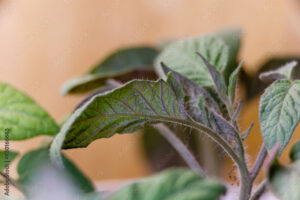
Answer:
(180, 147)
(259, 191)
(259, 162)
(246, 185)
(239, 140)
(245, 178)
(215, 137)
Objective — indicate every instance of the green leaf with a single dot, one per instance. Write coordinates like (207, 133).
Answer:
(279, 112)
(123, 110)
(284, 72)
(130, 62)
(22, 116)
(6, 158)
(255, 86)
(173, 184)
(32, 161)
(233, 82)
(181, 57)
(232, 39)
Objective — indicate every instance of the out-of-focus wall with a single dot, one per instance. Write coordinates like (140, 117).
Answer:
(44, 43)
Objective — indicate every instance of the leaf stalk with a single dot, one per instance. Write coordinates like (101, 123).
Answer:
(180, 148)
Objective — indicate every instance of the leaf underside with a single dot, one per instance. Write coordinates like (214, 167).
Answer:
(22, 117)
(123, 110)
(280, 112)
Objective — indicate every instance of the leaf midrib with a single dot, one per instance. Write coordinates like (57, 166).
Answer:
(280, 113)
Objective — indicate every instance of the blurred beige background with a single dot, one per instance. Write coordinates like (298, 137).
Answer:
(44, 43)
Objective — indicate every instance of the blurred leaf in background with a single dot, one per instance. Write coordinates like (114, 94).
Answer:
(6, 157)
(31, 163)
(284, 181)
(122, 65)
(172, 184)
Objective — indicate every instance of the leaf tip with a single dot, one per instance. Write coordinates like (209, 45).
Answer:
(165, 68)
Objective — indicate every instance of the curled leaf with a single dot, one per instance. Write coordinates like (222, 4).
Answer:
(283, 73)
